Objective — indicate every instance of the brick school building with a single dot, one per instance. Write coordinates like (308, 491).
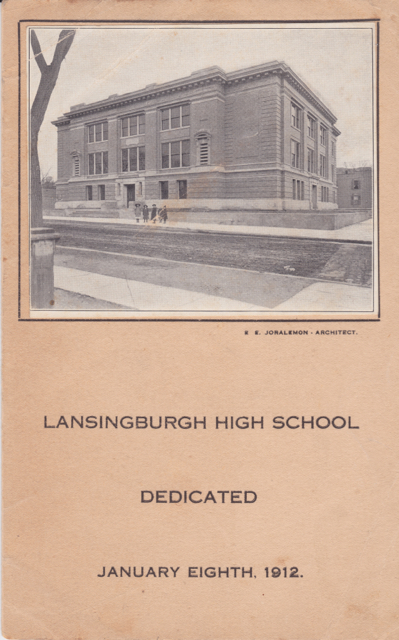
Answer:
(257, 139)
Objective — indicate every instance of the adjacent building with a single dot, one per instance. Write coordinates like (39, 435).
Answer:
(258, 138)
(355, 188)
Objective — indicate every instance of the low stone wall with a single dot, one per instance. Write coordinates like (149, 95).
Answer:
(83, 213)
(345, 218)
(327, 220)
(205, 204)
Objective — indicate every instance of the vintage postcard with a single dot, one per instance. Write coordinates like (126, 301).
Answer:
(200, 303)
(204, 170)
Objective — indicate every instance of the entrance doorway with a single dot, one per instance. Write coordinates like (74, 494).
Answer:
(131, 193)
(314, 196)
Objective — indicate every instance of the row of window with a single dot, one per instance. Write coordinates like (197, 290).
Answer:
(179, 116)
(133, 126)
(163, 190)
(177, 154)
(173, 154)
(98, 163)
(324, 194)
(98, 132)
(171, 118)
(181, 189)
(175, 117)
(298, 192)
(296, 121)
(133, 159)
(295, 161)
(100, 192)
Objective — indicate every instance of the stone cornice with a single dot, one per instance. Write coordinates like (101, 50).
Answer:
(308, 94)
(61, 121)
(211, 77)
(167, 89)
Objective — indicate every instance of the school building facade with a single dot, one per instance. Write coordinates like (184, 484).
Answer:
(254, 139)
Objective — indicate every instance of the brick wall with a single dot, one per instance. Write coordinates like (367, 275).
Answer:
(252, 184)
(248, 121)
(348, 196)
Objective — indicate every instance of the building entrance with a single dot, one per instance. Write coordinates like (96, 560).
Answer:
(131, 193)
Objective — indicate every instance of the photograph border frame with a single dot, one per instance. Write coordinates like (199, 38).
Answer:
(268, 319)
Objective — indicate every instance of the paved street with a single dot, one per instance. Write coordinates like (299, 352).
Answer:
(224, 271)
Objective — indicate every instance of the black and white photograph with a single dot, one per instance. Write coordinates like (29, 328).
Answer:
(203, 170)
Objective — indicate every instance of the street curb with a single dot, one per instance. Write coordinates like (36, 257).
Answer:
(173, 229)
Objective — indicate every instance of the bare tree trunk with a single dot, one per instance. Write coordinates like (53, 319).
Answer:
(35, 183)
(49, 75)
(43, 240)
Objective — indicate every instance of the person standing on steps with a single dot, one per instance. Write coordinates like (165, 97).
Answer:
(154, 213)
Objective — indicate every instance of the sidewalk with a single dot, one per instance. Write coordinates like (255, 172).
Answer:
(143, 296)
(133, 295)
(65, 300)
(361, 232)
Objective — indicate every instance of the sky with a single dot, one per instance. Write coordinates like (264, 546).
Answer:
(335, 61)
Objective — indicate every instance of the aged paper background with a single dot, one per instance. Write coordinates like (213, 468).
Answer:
(327, 499)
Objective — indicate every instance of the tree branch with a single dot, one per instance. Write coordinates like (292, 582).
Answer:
(49, 77)
(39, 57)
(65, 40)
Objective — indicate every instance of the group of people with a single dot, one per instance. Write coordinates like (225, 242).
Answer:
(150, 215)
